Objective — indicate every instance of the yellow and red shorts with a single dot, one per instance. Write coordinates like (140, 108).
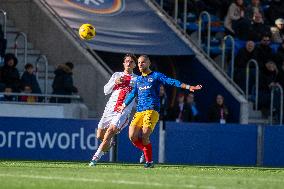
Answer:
(147, 118)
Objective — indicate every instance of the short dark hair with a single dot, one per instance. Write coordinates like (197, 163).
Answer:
(28, 65)
(131, 56)
(70, 65)
(146, 57)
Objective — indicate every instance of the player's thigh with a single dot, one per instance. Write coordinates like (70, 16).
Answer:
(120, 121)
(134, 133)
(150, 119)
(137, 120)
(135, 126)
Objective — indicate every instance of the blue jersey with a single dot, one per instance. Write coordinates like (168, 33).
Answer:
(147, 90)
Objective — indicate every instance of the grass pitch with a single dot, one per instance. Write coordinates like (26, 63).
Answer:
(35, 175)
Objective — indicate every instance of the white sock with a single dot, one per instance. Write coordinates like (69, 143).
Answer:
(99, 153)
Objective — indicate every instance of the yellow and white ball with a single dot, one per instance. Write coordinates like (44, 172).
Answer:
(87, 31)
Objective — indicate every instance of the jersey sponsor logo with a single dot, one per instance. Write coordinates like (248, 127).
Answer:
(150, 80)
(145, 87)
(98, 6)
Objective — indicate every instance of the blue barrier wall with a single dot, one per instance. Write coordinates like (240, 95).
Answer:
(47, 139)
(191, 143)
(211, 144)
(273, 148)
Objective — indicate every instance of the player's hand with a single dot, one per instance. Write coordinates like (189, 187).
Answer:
(121, 108)
(194, 88)
(119, 80)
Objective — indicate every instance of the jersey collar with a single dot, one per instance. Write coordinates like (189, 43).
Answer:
(146, 73)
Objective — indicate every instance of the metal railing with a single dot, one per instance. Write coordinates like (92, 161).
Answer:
(256, 80)
(4, 21)
(45, 96)
(200, 21)
(224, 46)
(19, 34)
(184, 15)
(196, 45)
(162, 3)
(176, 11)
(275, 88)
(45, 62)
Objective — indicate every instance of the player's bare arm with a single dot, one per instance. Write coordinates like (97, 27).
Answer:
(191, 88)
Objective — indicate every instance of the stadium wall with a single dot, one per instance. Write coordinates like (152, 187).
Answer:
(191, 143)
(51, 38)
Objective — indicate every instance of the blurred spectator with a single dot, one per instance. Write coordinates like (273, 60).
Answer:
(218, 7)
(7, 96)
(9, 74)
(243, 56)
(235, 17)
(3, 44)
(264, 51)
(28, 90)
(29, 78)
(63, 82)
(279, 56)
(180, 112)
(252, 8)
(275, 11)
(268, 79)
(256, 29)
(193, 113)
(163, 103)
(218, 112)
(280, 76)
(278, 31)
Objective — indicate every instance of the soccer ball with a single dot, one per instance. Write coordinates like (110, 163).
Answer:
(87, 32)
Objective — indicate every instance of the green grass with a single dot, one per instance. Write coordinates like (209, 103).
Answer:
(35, 174)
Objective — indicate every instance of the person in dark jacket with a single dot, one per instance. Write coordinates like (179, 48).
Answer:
(193, 111)
(63, 82)
(243, 56)
(29, 78)
(264, 51)
(275, 11)
(218, 112)
(164, 103)
(9, 74)
(3, 43)
(267, 80)
(181, 112)
(279, 56)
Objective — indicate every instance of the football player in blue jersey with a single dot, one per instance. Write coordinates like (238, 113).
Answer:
(148, 105)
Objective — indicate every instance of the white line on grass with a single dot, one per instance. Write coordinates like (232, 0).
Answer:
(229, 177)
(106, 181)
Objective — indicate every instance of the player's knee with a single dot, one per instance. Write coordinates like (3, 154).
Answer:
(100, 137)
(111, 132)
(145, 140)
(133, 138)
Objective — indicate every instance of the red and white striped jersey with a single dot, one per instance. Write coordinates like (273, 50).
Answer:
(119, 91)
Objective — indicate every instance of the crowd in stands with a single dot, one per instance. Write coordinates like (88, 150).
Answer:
(185, 109)
(12, 82)
(258, 25)
(258, 29)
